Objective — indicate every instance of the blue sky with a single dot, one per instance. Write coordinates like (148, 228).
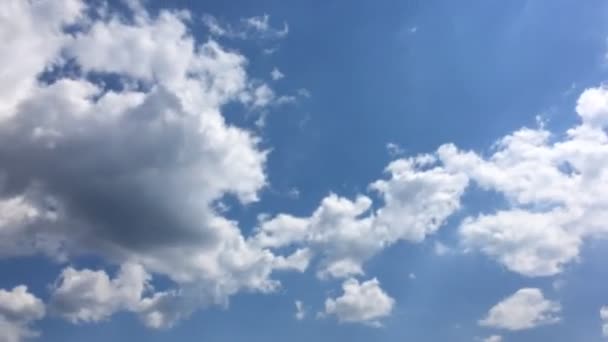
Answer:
(326, 170)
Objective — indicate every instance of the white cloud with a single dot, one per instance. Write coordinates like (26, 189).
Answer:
(493, 338)
(525, 309)
(276, 74)
(300, 311)
(592, 106)
(336, 231)
(262, 24)
(362, 302)
(394, 150)
(91, 296)
(129, 172)
(541, 249)
(257, 27)
(604, 317)
(554, 188)
(30, 26)
(441, 249)
(418, 197)
(18, 309)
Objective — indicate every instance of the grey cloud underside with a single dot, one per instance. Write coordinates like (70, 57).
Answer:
(121, 182)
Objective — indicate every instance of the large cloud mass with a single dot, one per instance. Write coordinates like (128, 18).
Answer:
(112, 143)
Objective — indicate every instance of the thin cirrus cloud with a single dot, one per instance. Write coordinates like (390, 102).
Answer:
(132, 175)
(257, 27)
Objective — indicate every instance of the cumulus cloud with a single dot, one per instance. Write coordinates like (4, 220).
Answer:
(91, 296)
(530, 243)
(30, 26)
(525, 309)
(18, 309)
(364, 302)
(125, 158)
(554, 188)
(418, 197)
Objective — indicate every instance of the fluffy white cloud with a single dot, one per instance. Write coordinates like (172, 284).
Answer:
(554, 191)
(418, 197)
(90, 296)
(604, 317)
(336, 231)
(362, 302)
(18, 309)
(592, 106)
(554, 187)
(527, 308)
(29, 26)
(529, 243)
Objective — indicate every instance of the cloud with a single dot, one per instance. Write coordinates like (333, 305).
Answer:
(541, 249)
(394, 150)
(125, 158)
(18, 309)
(493, 338)
(300, 311)
(256, 27)
(418, 197)
(362, 302)
(91, 296)
(553, 186)
(113, 144)
(525, 309)
(276, 74)
(334, 231)
(604, 317)
(32, 26)
(592, 106)
(441, 249)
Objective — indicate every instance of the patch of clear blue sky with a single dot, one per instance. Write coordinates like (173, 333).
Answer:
(473, 71)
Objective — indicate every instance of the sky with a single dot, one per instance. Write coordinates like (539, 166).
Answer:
(304, 170)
